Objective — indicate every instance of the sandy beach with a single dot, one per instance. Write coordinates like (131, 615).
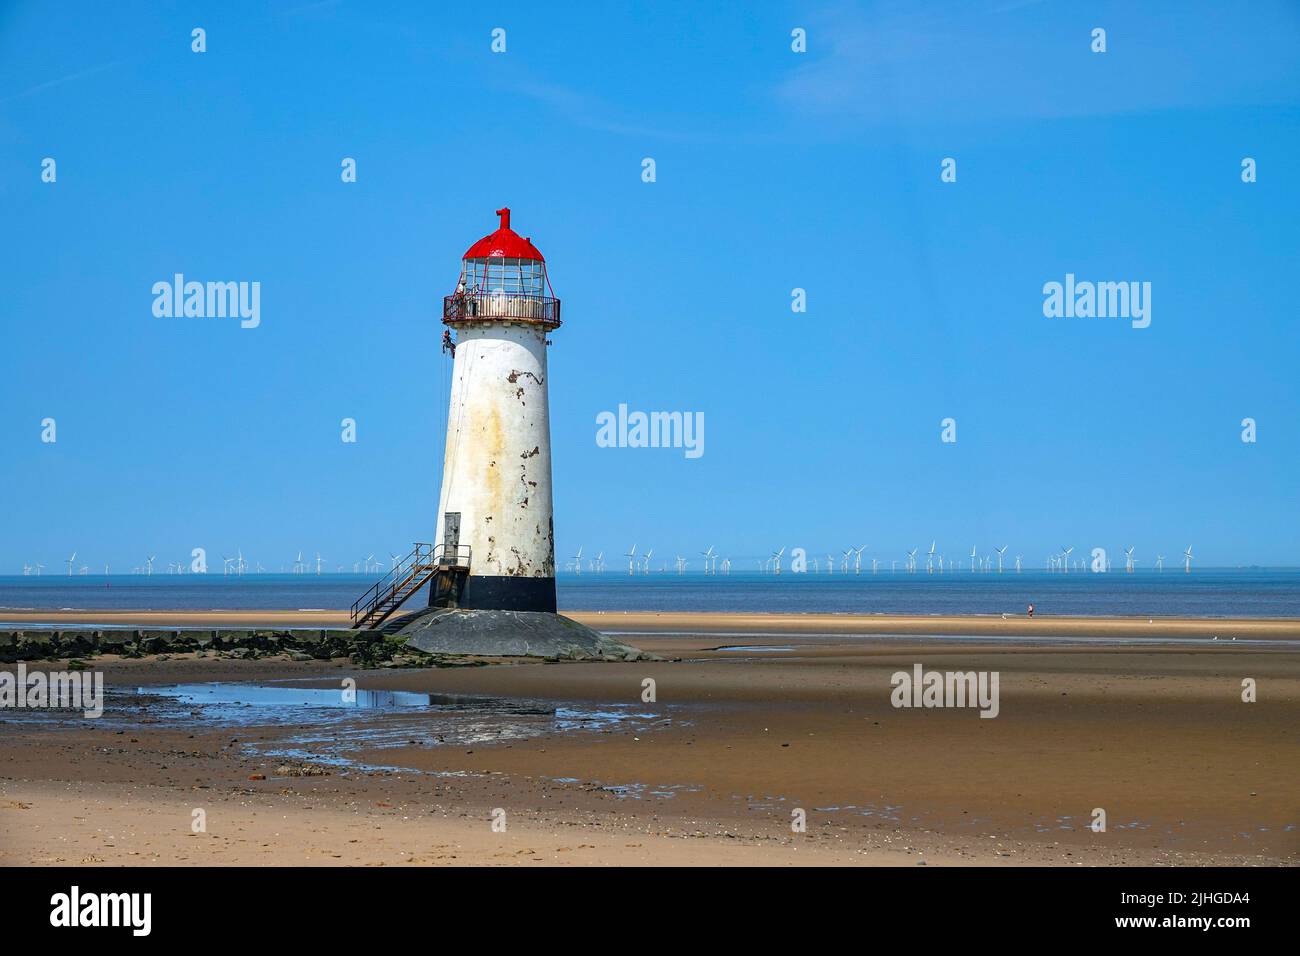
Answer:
(630, 622)
(716, 768)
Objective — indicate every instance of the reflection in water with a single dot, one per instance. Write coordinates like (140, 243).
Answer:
(328, 726)
(256, 695)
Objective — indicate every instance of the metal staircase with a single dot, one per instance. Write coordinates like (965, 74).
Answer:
(449, 565)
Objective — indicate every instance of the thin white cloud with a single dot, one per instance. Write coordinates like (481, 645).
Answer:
(584, 109)
(59, 81)
(886, 62)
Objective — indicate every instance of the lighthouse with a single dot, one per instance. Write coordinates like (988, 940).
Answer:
(490, 571)
(494, 524)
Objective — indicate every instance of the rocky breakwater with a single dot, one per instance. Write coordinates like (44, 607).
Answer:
(365, 648)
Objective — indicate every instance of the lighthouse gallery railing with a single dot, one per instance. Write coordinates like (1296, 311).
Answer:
(501, 305)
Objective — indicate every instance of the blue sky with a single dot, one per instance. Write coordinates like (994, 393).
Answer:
(775, 170)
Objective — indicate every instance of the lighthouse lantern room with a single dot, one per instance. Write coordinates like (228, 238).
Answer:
(502, 276)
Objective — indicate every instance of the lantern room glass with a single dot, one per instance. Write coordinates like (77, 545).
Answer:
(502, 274)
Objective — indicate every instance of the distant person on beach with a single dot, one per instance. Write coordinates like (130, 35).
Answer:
(1031, 610)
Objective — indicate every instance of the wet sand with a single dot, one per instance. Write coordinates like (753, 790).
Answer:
(1156, 735)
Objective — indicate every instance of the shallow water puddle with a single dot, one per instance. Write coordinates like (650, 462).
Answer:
(255, 695)
(638, 791)
(359, 729)
(327, 726)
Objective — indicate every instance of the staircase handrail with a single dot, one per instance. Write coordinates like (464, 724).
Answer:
(389, 583)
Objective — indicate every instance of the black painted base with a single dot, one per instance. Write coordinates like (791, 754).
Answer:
(503, 593)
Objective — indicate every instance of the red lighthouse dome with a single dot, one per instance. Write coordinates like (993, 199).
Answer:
(505, 242)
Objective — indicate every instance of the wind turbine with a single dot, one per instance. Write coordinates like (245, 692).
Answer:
(71, 558)
(149, 564)
(1000, 552)
(776, 561)
(1128, 560)
(318, 563)
(708, 556)
(857, 559)
(726, 566)
(645, 562)
(972, 559)
(844, 561)
(1160, 563)
(911, 560)
(393, 560)
(1017, 564)
(1187, 560)
(929, 560)
(577, 560)
(631, 561)
(830, 564)
(1065, 558)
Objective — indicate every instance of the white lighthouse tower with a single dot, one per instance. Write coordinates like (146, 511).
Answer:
(494, 513)
(491, 569)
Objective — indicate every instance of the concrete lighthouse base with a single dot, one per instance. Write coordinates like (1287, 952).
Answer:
(512, 634)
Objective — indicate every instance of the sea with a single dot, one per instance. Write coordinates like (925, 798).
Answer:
(1205, 592)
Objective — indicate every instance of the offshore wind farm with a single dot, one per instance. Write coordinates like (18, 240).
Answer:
(844, 586)
(890, 583)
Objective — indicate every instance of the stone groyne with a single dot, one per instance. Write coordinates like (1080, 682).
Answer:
(365, 648)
